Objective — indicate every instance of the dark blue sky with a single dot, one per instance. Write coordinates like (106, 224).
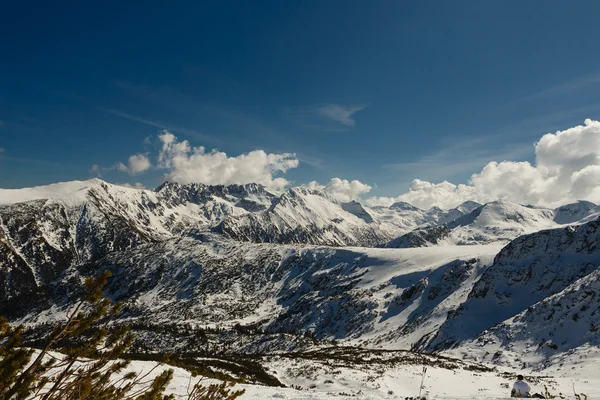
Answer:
(438, 88)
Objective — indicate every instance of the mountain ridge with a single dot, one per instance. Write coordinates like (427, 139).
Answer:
(298, 263)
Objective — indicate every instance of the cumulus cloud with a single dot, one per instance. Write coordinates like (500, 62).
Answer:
(380, 201)
(342, 189)
(188, 164)
(567, 168)
(137, 163)
(338, 113)
(425, 195)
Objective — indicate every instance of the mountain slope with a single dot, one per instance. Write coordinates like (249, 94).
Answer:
(366, 294)
(573, 213)
(499, 221)
(561, 323)
(528, 270)
(301, 215)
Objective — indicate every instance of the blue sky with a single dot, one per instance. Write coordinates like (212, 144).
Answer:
(378, 91)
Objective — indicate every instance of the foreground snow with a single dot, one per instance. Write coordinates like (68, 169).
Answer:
(399, 382)
(390, 377)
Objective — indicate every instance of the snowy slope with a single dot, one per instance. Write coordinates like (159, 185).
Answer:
(495, 222)
(424, 237)
(527, 271)
(80, 222)
(338, 373)
(75, 190)
(388, 298)
(302, 215)
(499, 221)
(560, 324)
(575, 212)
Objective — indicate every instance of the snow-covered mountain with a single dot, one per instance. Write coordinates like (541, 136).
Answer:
(387, 297)
(218, 262)
(534, 268)
(422, 237)
(498, 221)
(541, 335)
(575, 212)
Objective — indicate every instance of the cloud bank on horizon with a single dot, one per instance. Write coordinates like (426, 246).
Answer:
(188, 164)
(566, 169)
(342, 189)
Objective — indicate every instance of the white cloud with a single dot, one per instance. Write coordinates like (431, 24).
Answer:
(136, 185)
(338, 113)
(567, 169)
(137, 163)
(95, 170)
(342, 189)
(380, 201)
(187, 164)
(425, 195)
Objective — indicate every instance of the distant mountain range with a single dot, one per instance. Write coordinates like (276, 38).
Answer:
(300, 263)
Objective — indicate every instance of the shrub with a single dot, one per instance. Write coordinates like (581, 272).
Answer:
(90, 360)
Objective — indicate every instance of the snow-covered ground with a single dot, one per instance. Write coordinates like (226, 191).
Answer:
(312, 379)
(314, 382)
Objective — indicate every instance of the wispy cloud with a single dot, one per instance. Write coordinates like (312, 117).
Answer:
(96, 171)
(132, 117)
(329, 117)
(186, 131)
(463, 158)
(340, 114)
(585, 82)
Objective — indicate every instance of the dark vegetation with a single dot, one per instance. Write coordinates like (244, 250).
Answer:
(82, 359)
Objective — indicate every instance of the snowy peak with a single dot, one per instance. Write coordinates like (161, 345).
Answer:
(299, 215)
(431, 217)
(303, 215)
(358, 210)
(575, 212)
(252, 197)
(502, 212)
(74, 191)
(404, 206)
(500, 221)
(468, 206)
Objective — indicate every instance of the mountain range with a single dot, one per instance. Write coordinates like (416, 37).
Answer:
(300, 266)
